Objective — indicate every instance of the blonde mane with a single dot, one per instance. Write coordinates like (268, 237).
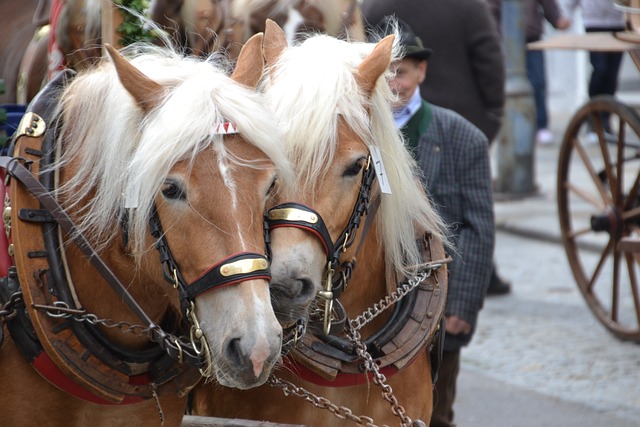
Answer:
(121, 156)
(311, 87)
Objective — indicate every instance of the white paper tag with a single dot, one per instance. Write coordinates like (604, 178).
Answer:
(131, 198)
(381, 173)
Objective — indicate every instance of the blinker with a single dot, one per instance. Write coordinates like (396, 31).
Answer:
(293, 214)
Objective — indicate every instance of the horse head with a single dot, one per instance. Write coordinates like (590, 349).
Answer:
(330, 99)
(176, 146)
(200, 25)
(297, 17)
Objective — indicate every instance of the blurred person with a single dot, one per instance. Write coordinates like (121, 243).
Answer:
(602, 16)
(535, 13)
(453, 157)
(469, 74)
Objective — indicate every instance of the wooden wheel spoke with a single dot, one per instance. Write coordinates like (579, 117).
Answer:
(606, 158)
(598, 269)
(630, 214)
(632, 261)
(579, 232)
(604, 194)
(615, 288)
(618, 189)
(584, 195)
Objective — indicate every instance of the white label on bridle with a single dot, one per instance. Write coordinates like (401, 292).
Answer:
(381, 173)
(131, 198)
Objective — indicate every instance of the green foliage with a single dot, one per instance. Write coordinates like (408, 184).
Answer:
(131, 29)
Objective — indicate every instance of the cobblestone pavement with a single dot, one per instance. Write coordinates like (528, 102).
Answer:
(543, 338)
(542, 341)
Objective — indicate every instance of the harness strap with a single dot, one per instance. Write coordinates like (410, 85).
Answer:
(236, 268)
(233, 269)
(301, 216)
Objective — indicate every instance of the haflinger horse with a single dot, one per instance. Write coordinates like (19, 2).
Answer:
(23, 47)
(338, 18)
(368, 236)
(199, 26)
(202, 26)
(136, 249)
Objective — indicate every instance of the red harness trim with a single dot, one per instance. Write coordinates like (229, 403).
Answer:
(342, 379)
(48, 369)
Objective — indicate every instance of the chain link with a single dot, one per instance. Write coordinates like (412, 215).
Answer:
(376, 309)
(353, 328)
(378, 377)
(8, 311)
(61, 310)
(341, 412)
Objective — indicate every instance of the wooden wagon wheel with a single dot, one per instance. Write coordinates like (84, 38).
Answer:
(599, 205)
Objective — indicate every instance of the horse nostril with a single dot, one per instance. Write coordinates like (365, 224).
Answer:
(233, 352)
(294, 289)
(306, 290)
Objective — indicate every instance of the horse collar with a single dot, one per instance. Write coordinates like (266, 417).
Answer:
(332, 360)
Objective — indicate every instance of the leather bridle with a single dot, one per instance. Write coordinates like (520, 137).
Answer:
(301, 216)
(186, 350)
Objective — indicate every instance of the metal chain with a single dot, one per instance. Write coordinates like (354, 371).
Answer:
(341, 412)
(378, 377)
(61, 310)
(376, 309)
(8, 311)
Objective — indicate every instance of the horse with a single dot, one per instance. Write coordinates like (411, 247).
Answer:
(200, 26)
(338, 18)
(23, 46)
(332, 101)
(76, 35)
(136, 252)
(28, 30)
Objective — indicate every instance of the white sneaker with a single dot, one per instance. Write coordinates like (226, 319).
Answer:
(544, 137)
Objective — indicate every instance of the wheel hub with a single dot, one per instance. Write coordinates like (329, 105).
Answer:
(609, 220)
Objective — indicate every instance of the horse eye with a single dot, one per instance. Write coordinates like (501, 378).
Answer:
(274, 185)
(173, 190)
(355, 168)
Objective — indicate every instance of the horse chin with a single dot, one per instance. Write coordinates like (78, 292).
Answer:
(289, 309)
(244, 381)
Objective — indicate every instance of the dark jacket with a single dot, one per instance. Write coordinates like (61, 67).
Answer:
(453, 156)
(535, 11)
(466, 71)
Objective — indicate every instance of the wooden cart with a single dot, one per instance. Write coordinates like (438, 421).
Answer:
(598, 190)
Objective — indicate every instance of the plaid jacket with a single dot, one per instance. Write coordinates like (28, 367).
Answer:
(453, 156)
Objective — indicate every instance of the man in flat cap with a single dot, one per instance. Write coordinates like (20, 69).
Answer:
(453, 156)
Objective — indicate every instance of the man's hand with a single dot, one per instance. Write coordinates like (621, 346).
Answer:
(563, 23)
(456, 325)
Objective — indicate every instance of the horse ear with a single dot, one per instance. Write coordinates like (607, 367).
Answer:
(275, 41)
(375, 65)
(250, 63)
(145, 91)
